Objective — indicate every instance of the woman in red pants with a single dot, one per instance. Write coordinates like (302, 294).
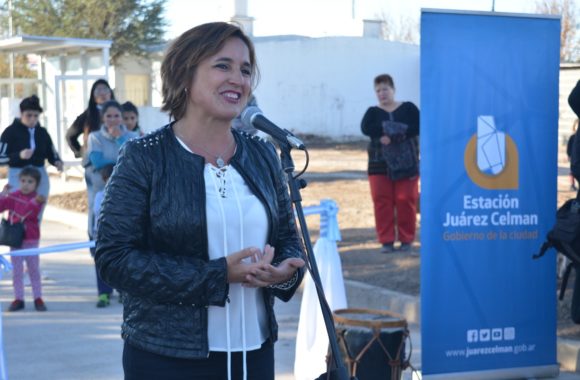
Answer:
(393, 166)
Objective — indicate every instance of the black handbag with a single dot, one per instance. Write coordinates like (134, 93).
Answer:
(11, 234)
(402, 153)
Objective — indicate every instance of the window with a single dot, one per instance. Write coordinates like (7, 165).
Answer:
(137, 89)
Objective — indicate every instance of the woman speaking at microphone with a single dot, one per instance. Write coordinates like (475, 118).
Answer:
(197, 229)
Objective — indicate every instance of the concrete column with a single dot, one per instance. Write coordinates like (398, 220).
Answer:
(241, 16)
(241, 8)
(246, 23)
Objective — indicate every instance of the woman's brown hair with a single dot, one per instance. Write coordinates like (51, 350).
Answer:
(187, 52)
(385, 78)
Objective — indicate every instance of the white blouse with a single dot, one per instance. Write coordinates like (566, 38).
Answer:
(236, 219)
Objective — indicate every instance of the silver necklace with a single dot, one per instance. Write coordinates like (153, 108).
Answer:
(219, 159)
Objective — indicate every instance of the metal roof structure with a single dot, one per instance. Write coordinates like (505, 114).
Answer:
(43, 45)
(51, 85)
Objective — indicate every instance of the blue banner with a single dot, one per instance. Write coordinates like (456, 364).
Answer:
(489, 118)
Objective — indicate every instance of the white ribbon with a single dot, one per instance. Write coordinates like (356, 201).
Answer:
(328, 209)
(50, 249)
(311, 337)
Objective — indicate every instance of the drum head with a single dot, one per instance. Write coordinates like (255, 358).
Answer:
(374, 319)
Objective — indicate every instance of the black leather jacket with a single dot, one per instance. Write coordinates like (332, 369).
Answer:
(152, 239)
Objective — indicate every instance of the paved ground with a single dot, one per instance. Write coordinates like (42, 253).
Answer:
(75, 340)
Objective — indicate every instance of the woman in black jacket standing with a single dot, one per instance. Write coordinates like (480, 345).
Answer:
(26, 143)
(87, 122)
(196, 228)
(393, 127)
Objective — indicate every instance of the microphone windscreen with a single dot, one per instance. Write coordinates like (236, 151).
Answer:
(248, 113)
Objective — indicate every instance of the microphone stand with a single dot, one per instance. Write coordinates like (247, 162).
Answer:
(295, 185)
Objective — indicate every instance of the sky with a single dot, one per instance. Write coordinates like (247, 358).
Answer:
(320, 18)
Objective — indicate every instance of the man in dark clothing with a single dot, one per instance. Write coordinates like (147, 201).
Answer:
(574, 102)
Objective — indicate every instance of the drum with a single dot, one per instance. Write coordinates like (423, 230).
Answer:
(372, 343)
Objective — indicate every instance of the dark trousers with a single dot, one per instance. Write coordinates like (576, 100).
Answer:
(102, 286)
(143, 365)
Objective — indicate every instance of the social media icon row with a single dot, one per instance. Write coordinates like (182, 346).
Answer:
(495, 334)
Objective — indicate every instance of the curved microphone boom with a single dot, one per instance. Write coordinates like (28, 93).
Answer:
(253, 116)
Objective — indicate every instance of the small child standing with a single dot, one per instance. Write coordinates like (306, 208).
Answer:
(104, 290)
(24, 205)
(131, 118)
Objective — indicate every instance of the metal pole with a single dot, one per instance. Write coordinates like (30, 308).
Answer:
(493, 5)
(9, 18)
(11, 55)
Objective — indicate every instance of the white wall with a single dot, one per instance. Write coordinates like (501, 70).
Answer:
(151, 118)
(323, 86)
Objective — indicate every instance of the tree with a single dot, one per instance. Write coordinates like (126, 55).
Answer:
(567, 10)
(131, 25)
(405, 29)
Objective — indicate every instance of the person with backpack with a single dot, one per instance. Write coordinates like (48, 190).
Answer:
(572, 210)
(564, 236)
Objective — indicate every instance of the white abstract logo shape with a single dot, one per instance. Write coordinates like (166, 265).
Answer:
(490, 146)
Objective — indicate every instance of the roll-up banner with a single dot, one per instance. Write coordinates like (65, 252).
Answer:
(489, 118)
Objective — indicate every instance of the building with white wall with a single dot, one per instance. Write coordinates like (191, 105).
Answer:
(323, 86)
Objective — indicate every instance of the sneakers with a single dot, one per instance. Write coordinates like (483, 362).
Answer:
(16, 305)
(19, 305)
(39, 304)
(104, 300)
(387, 248)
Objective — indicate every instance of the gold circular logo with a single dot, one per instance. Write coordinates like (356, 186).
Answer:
(507, 179)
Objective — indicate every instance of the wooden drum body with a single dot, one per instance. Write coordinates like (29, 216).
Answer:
(372, 343)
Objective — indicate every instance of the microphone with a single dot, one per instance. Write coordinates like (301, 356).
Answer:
(253, 116)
